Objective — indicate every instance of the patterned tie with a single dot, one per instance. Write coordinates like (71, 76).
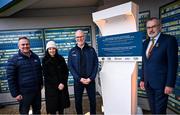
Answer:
(151, 47)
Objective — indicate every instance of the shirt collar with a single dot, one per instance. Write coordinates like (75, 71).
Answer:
(156, 38)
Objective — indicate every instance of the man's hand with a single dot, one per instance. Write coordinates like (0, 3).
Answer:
(61, 86)
(142, 85)
(85, 81)
(19, 97)
(168, 90)
(82, 80)
(88, 80)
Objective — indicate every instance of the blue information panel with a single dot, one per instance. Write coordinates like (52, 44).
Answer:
(143, 16)
(129, 44)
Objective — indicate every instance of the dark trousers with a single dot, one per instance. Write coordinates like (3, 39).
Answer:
(157, 100)
(31, 99)
(78, 92)
(60, 111)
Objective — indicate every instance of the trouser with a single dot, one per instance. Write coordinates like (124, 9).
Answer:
(157, 100)
(60, 111)
(78, 91)
(30, 99)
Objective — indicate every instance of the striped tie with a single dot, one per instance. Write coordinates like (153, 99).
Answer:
(151, 47)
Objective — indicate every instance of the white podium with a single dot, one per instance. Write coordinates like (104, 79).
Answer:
(118, 75)
(118, 80)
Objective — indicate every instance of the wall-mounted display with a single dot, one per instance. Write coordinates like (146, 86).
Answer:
(143, 16)
(65, 40)
(64, 37)
(170, 18)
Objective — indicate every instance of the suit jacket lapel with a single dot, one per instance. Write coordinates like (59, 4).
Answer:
(146, 46)
(160, 39)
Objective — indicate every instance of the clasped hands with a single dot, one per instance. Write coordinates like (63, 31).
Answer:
(61, 86)
(85, 81)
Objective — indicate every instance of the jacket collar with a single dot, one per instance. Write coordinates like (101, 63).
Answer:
(85, 46)
(31, 54)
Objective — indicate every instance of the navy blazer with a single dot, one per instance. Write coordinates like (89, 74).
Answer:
(159, 70)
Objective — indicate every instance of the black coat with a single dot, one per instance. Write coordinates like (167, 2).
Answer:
(55, 72)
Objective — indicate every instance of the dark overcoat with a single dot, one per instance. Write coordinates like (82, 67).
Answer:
(55, 72)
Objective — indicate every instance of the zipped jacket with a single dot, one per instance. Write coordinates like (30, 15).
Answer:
(24, 74)
(91, 62)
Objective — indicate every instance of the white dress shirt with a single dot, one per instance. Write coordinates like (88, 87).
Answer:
(150, 42)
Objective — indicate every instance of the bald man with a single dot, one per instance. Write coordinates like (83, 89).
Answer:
(83, 65)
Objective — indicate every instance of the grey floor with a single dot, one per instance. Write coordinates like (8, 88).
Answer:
(13, 109)
(142, 103)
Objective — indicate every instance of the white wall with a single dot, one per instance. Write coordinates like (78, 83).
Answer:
(144, 5)
(44, 22)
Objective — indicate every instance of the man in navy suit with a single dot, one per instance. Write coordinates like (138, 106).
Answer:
(159, 66)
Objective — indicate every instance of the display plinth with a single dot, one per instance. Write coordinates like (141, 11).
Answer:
(118, 73)
(118, 19)
(119, 87)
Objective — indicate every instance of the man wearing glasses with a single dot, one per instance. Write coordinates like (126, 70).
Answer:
(159, 66)
(25, 78)
(83, 65)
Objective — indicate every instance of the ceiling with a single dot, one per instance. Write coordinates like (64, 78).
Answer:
(54, 4)
(48, 4)
(62, 3)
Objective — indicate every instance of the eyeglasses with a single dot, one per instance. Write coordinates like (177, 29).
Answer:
(25, 44)
(152, 26)
(79, 36)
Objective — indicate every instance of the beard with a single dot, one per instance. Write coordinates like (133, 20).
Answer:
(152, 34)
